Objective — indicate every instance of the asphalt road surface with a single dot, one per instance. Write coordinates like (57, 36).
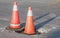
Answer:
(42, 10)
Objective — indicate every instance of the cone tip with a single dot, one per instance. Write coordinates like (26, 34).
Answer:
(30, 8)
(15, 3)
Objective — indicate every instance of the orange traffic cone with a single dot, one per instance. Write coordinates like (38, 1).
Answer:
(29, 28)
(15, 22)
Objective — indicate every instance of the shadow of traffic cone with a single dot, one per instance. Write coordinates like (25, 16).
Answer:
(15, 22)
(29, 28)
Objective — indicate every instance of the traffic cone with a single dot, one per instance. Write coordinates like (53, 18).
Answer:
(29, 28)
(15, 22)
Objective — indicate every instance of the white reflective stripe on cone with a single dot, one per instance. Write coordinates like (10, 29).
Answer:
(14, 24)
(29, 13)
(15, 7)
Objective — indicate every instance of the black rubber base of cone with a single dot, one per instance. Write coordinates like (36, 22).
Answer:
(22, 32)
(30, 34)
(14, 29)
